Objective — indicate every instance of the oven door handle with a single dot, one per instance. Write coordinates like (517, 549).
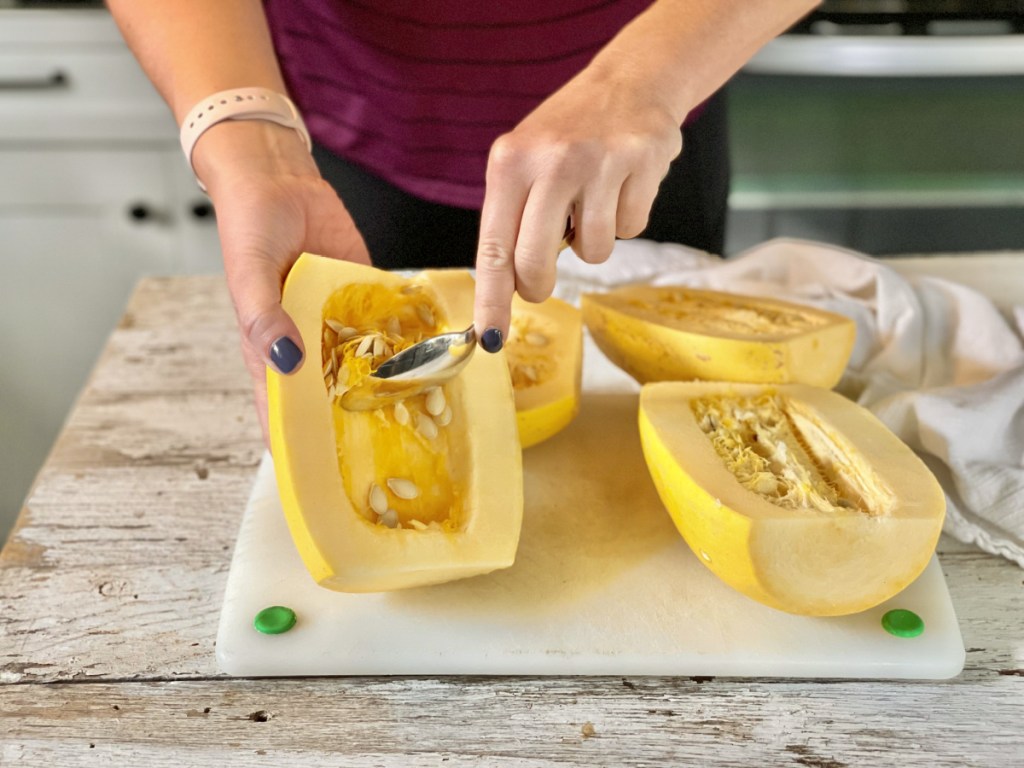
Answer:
(864, 56)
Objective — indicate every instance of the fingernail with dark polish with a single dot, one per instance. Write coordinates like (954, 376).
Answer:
(491, 340)
(285, 355)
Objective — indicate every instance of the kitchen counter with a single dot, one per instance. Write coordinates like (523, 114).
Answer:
(95, 194)
(112, 582)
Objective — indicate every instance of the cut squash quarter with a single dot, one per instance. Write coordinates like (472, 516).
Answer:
(681, 334)
(392, 498)
(793, 495)
(545, 359)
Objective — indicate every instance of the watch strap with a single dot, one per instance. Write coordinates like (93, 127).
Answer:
(239, 104)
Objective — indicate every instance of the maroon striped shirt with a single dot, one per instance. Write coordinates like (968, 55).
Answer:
(416, 91)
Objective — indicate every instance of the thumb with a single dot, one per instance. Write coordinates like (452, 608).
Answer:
(266, 328)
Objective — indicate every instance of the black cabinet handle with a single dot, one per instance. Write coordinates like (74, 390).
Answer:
(140, 212)
(202, 209)
(48, 82)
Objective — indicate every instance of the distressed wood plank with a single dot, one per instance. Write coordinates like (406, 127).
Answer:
(211, 429)
(193, 303)
(513, 722)
(146, 516)
(169, 360)
(110, 622)
(117, 564)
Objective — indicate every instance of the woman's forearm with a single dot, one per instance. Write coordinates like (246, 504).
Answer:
(192, 48)
(687, 49)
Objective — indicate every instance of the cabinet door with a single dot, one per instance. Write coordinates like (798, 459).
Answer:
(74, 239)
(78, 93)
(198, 242)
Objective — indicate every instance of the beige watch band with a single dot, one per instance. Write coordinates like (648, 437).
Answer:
(239, 104)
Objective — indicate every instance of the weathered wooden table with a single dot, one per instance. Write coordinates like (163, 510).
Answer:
(111, 588)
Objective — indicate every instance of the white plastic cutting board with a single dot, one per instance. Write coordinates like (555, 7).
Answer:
(597, 589)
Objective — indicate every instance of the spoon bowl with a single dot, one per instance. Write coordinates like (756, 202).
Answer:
(428, 363)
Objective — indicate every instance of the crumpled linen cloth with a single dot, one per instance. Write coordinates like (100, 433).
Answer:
(936, 361)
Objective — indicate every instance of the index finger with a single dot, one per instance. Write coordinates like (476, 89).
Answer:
(495, 263)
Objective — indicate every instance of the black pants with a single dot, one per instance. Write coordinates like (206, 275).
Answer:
(405, 232)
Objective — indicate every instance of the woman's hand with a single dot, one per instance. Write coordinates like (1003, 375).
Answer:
(271, 206)
(595, 151)
(598, 148)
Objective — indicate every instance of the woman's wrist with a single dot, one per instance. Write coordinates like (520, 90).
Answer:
(249, 147)
(677, 53)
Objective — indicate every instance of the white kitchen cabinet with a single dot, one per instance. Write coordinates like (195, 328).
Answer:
(94, 194)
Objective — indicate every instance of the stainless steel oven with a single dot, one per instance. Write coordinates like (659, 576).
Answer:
(890, 126)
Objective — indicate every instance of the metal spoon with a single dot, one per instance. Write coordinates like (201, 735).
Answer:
(426, 364)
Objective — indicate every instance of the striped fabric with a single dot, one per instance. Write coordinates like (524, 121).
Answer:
(416, 91)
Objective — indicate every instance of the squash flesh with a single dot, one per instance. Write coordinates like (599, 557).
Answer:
(545, 358)
(372, 445)
(682, 334)
(844, 520)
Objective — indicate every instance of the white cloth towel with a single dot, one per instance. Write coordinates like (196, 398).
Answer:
(936, 361)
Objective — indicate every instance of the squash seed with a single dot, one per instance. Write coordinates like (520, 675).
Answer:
(403, 488)
(435, 401)
(425, 313)
(444, 418)
(378, 346)
(426, 426)
(344, 332)
(365, 346)
(394, 326)
(418, 525)
(535, 339)
(401, 413)
(389, 518)
(378, 499)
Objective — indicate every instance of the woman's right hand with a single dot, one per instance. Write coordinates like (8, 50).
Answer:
(272, 205)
